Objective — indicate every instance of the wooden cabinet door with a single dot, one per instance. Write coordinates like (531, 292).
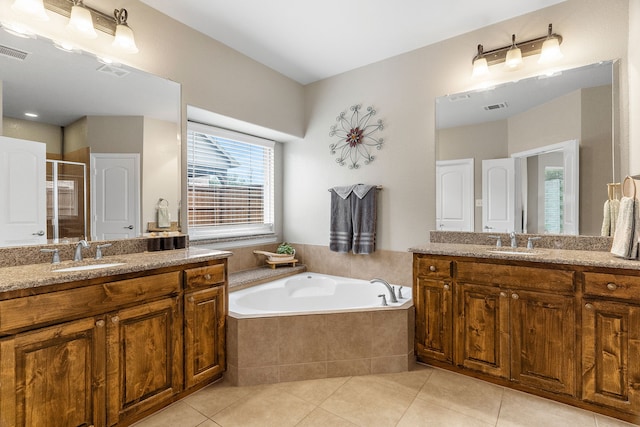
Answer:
(54, 376)
(204, 321)
(144, 357)
(543, 329)
(434, 319)
(611, 354)
(482, 329)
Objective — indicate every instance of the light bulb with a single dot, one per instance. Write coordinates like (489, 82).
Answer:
(81, 21)
(33, 8)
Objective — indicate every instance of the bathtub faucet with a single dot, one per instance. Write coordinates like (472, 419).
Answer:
(392, 294)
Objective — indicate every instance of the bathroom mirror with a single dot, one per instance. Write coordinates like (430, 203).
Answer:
(577, 104)
(86, 105)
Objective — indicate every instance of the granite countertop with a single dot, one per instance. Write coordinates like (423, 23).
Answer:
(537, 255)
(36, 275)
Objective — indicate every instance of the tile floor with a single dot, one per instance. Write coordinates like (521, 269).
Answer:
(424, 396)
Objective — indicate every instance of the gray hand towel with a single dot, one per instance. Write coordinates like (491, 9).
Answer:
(364, 218)
(341, 229)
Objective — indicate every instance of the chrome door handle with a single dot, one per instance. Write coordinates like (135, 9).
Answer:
(39, 233)
(129, 227)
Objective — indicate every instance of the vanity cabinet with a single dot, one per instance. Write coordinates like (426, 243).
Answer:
(54, 375)
(205, 308)
(432, 296)
(107, 351)
(518, 323)
(144, 358)
(611, 340)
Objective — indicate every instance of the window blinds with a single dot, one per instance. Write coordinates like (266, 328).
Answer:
(229, 183)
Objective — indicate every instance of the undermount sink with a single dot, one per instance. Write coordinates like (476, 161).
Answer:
(88, 267)
(513, 252)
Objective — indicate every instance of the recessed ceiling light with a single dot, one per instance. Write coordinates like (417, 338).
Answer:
(34, 115)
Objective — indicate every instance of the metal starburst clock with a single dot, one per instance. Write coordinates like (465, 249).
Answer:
(356, 137)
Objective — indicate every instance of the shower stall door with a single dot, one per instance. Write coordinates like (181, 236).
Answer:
(66, 200)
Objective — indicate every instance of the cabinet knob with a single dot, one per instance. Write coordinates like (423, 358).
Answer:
(207, 276)
(588, 306)
(191, 299)
(515, 296)
(612, 286)
(100, 323)
(115, 319)
(432, 268)
(503, 294)
(446, 287)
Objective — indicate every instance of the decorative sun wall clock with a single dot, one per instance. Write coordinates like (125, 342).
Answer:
(356, 137)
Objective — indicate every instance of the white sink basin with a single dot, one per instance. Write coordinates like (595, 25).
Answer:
(507, 252)
(88, 267)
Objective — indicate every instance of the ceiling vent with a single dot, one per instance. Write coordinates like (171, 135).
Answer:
(114, 71)
(497, 106)
(12, 53)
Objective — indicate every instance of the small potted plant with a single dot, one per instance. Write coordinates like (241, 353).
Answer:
(286, 249)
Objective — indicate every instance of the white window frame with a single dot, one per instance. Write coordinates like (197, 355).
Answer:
(241, 231)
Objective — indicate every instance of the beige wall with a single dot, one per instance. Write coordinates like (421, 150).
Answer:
(403, 90)
(633, 92)
(34, 131)
(160, 168)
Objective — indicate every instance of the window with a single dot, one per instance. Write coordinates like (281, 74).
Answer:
(229, 184)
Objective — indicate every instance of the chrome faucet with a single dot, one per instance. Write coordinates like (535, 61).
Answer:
(514, 241)
(392, 294)
(77, 255)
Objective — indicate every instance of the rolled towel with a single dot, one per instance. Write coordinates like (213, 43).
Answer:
(605, 230)
(625, 239)
(614, 206)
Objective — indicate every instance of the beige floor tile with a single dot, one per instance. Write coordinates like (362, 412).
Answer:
(602, 421)
(214, 398)
(322, 418)
(403, 382)
(366, 401)
(269, 407)
(209, 423)
(524, 410)
(424, 413)
(178, 414)
(469, 396)
(313, 391)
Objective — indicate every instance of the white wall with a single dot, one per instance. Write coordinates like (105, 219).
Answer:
(633, 155)
(403, 90)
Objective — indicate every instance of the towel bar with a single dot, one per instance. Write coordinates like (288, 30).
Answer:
(378, 187)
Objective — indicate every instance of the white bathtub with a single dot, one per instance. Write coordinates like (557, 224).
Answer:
(312, 293)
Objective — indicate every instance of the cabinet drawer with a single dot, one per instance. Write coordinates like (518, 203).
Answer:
(433, 268)
(204, 276)
(612, 285)
(512, 276)
(32, 311)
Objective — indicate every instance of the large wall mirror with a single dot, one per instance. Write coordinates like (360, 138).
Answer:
(89, 108)
(527, 116)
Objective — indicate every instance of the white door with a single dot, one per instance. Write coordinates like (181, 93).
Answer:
(499, 196)
(23, 194)
(454, 195)
(115, 195)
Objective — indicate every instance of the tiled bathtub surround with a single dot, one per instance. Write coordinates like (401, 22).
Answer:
(302, 347)
(577, 243)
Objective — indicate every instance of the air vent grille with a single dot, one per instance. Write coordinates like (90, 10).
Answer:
(497, 106)
(114, 71)
(13, 53)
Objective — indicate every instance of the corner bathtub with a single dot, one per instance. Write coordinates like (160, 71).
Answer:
(311, 326)
(312, 293)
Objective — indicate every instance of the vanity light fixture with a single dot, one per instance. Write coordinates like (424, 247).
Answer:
(548, 47)
(80, 21)
(514, 55)
(33, 8)
(124, 35)
(83, 20)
